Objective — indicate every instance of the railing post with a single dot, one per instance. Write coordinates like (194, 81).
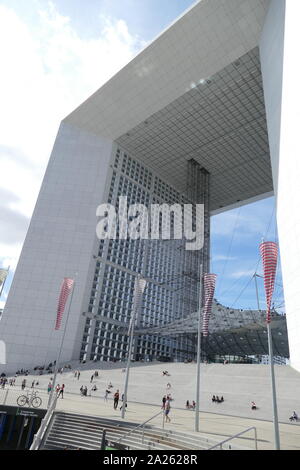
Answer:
(5, 398)
(143, 434)
(255, 437)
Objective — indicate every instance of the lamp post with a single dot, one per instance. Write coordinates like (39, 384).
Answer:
(198, 354)
(139, 287)
(273, 383)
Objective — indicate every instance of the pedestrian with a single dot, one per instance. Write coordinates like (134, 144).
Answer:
(187, 405)
(167, 410)
(294, 416)
(78, 375)
(49, 387)
(57, 388)
(106, 395)
(23, 384)
(123, 402)
(61, 391)
(164, 399)
(92, 378)
(32, 385)
(116, 399)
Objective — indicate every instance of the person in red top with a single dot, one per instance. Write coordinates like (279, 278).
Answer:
(61, 390)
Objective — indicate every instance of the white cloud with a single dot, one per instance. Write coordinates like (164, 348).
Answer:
(224, 258)
(47, 70)
(226, 224)
(242, 273)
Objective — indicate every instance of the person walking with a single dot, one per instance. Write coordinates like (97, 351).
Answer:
(78, 375)
(164, 399)
(92, 378)
(123, 402)
(23, 384)
(61, 391)
(116, 399)
(49, 387)
(167, 410)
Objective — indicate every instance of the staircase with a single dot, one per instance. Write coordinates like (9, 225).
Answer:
(85, 432)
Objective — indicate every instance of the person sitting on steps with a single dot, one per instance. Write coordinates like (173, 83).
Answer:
(294, 417)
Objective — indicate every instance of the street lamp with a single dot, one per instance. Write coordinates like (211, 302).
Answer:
(139, 288)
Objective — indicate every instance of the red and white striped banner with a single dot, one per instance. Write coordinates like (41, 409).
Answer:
(269, 254)
(209, 283)
(65, 290)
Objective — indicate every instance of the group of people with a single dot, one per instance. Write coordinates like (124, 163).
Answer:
(22, 372)
(216, 399)
(34, 384)
(190, 406)
(59, 389)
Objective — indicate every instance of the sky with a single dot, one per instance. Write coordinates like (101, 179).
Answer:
(54, 54)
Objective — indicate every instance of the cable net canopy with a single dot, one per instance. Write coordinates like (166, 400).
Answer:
(231, 331)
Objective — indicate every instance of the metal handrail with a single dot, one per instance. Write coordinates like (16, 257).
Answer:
(38, 437)
(220, 444)
(139, 426)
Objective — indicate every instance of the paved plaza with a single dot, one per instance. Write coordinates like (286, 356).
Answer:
(239, 384)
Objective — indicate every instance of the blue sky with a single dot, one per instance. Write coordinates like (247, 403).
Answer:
(54, 54)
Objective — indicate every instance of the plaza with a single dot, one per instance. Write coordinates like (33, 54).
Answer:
(239, 384)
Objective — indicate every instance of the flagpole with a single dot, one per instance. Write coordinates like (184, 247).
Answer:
(274, 400)
(269, 253)
(198, 354)
(60, 349)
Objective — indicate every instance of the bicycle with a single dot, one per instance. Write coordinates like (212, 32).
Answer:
(32, 400)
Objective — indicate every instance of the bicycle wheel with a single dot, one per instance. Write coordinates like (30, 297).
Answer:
(22, 400)
(36, 402)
